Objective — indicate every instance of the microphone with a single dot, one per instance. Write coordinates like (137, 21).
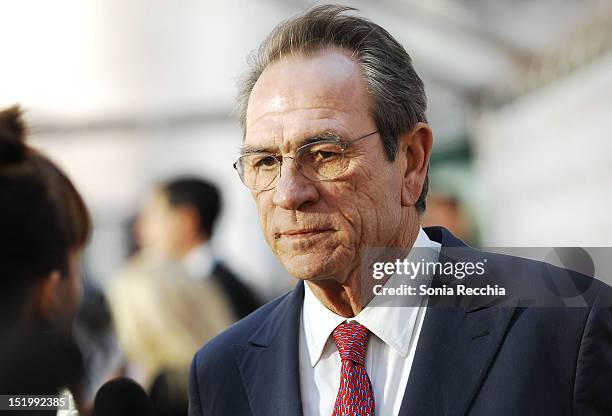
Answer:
(122, 397)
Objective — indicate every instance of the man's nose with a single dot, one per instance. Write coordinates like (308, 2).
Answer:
(293, 190)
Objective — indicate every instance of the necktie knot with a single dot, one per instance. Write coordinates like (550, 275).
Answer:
(352, 341)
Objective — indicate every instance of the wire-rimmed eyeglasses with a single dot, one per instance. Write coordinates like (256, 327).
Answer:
(322, 160)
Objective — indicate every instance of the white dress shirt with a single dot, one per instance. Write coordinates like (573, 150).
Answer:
(199, 262)
(391, 348)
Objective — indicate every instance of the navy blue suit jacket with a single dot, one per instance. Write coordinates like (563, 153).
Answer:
(473, 359)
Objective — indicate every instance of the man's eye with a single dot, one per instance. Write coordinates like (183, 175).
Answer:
(324, 155)
(265, 161)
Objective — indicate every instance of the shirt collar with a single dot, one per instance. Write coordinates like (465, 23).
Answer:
(319, 322)
(392, 324)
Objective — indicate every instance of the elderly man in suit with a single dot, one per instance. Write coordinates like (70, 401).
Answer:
(336, 153)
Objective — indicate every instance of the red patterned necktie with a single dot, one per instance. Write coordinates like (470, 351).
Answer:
(355, 397)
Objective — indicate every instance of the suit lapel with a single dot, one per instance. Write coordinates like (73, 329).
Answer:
(454, 353)
(269, 364)
(456, 347)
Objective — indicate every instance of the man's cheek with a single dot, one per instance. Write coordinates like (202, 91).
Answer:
(349, 225)
(264, 215)
(366, 216)
(267, 225)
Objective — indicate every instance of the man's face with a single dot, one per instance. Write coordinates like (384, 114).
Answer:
(158, 229)
(316, 229)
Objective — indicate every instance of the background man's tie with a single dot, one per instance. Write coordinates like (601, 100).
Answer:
(355, 397)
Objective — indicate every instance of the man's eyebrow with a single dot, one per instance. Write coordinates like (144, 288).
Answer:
(325, 136)
(321, 137)
(329, 136)
(246, 149)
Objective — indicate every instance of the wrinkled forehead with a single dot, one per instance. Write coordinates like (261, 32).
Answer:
(302, 96)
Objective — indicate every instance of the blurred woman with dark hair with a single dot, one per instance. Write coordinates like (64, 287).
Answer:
(44, 226)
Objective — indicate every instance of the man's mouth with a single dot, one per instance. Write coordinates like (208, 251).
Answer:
(303, 232)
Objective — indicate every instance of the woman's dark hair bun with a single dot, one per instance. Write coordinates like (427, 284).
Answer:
(12, 136)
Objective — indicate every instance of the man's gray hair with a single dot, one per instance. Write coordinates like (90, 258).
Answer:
(398, 95)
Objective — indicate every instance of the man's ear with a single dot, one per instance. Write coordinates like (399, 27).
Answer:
(48, 296)
(415, 149)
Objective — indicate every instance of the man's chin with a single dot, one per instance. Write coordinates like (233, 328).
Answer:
(310, 267)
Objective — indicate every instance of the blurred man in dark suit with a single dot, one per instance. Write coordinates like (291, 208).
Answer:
(336, 154)
(177, 223)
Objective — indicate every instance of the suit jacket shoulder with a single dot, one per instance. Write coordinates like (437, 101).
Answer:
(242, 298)
(214, 373)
